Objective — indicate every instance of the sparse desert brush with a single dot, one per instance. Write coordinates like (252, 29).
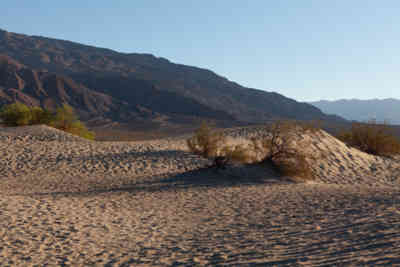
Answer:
(371, 137)
(295, 166)
(212, 144)
(206, 141)
(238, 153)
(277, 148)
(19, 114)
(16, 114)
(280, 150)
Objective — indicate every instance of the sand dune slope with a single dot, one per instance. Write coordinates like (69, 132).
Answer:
(335, 162)
(70, 202)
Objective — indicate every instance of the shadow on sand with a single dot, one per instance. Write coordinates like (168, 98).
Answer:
(121, 156)
(203, 178)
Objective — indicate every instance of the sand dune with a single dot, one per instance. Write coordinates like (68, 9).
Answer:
(66, 201)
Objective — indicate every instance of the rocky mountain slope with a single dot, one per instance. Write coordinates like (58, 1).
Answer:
(120, 87)
(41, 88)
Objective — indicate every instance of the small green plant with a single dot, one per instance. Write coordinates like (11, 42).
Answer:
(40, 116)
(371, 137)
(65, 119)
(78, 128)
(16, 114)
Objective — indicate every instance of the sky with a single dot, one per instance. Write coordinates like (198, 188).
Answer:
(304, 49)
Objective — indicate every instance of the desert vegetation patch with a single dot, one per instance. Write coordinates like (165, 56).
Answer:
(371, 137)
(277, 147)
(64, 118)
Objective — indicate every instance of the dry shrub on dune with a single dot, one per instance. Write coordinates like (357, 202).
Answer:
(277, 148)
(238, 153)
(371, 137)
(212, 144)
(206, 141)
(281, 151)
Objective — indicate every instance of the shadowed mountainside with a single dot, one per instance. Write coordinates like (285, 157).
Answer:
(41, 88)
(133, 86)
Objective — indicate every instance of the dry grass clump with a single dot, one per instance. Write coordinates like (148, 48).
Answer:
(206, 141)
(280, 150)
(295, 166)
(212, 144)
(371, 137)
(238, 153)
(18, 114)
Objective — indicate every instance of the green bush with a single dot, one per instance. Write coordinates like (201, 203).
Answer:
(40, 116)
(16, 114)
(78, 128)
(372, 138)
(65, 119)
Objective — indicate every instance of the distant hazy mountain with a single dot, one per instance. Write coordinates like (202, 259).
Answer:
(363, 110)
(102, 83)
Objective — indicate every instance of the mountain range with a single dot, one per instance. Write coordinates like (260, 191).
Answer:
(107, 86)
(363, 110)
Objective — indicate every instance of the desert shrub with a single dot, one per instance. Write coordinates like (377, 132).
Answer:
(280, 151)
(276, 147)
(206, 141)
(16, 114)
(78, 128)
(237, 153)
(296, 165)
(212, 144)
(371, 137)
(40, 116)
(65, 119)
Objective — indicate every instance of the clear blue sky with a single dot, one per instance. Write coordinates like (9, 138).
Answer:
(304, 49)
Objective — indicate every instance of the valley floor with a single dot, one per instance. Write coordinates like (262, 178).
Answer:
(70, 202)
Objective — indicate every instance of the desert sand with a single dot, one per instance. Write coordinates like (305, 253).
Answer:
(66, 201)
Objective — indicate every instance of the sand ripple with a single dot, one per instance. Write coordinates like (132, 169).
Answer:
(69, 202)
